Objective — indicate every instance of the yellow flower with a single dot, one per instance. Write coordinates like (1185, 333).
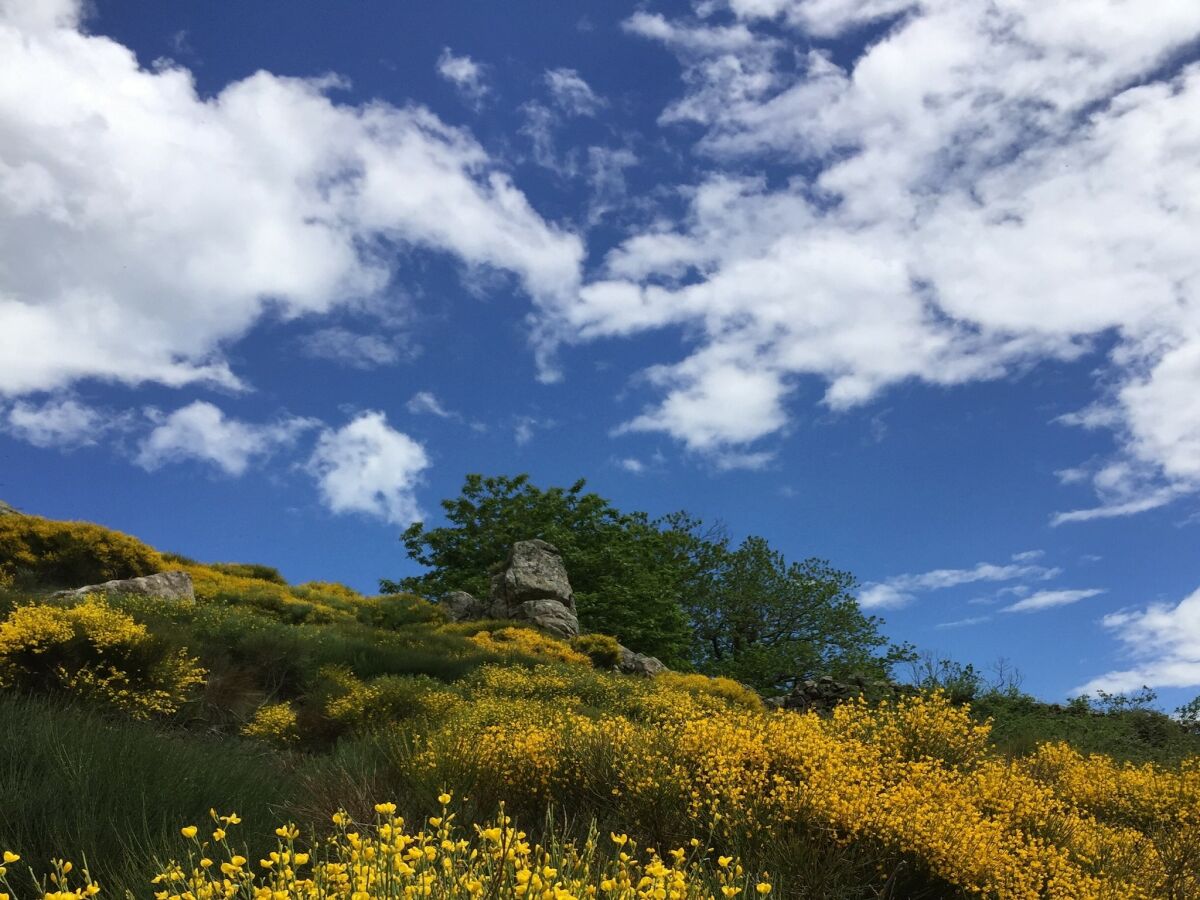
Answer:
(763, 888)
(385, 809)
(444, 799)
(724, 861)
(189, 831)
(10, 857)
(619, 839)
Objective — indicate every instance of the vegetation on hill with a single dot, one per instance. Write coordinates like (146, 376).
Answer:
(350, 744)
(669, 587)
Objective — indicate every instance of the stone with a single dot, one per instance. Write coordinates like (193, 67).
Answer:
(531, 586)
(534, 570)
(549, 615)
(460, 606)
(164, 585)
(9, 510)
(639, 664)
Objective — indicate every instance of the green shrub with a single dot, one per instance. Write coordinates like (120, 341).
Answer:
(251, 570)
(601, 649)
(42, 553)
(397, 611)
(360, 705)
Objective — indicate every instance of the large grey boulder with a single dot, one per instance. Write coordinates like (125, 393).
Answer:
(549, 615)
(639, 664)
(164, 585)
(460, 606)
(531, 586)
(534, 570)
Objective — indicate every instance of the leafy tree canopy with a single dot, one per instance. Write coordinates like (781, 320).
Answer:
(766, 622)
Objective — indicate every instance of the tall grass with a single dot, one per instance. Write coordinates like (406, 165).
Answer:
(116, 792)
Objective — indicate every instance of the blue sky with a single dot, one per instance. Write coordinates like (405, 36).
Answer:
(909, 285)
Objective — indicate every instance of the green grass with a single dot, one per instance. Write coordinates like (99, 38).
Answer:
(116, 792)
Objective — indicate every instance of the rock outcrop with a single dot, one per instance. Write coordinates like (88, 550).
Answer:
(9, 510)
(164, 585)
(824, 693)
(531, 586)
(460, 606)
(533, 570)
(639, 664)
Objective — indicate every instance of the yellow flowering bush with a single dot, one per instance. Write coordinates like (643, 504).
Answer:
(70, 554)
(602, 649)
(726, 688)
(528, 642)
(916, 778)
(280, 600)
(96, 652)
(275, 723)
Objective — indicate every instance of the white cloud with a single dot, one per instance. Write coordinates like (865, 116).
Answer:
(145, 226)
(359, 351)
(465, 74)
(525, 428)
(201, 431)
(368, 467)
(900, 590)
(606, 177)
(1165, 641)
(425, 402)
(964, 623)
(572, 94)
(632, 464)
(986, 186)
(60, 423)
(1048, 599)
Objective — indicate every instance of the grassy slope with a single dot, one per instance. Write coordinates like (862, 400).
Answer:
(75, 777)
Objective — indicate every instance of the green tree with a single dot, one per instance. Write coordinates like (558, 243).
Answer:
(769, 623)
(627, 572)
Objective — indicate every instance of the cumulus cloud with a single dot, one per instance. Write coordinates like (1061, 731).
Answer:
(60, 423)
(146, 226)
(900, 590)
(368, 467)
(1165, 643)
(465, 74)
(985, 186)
(201, 431)
(573, 95)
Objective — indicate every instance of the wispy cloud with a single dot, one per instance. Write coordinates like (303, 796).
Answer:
(899, 590)
(572, 94)
(964, 623)
(1048, 599)
(467, 76)
(1163, 639)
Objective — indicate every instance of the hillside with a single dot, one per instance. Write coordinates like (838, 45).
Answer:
(361, 740)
